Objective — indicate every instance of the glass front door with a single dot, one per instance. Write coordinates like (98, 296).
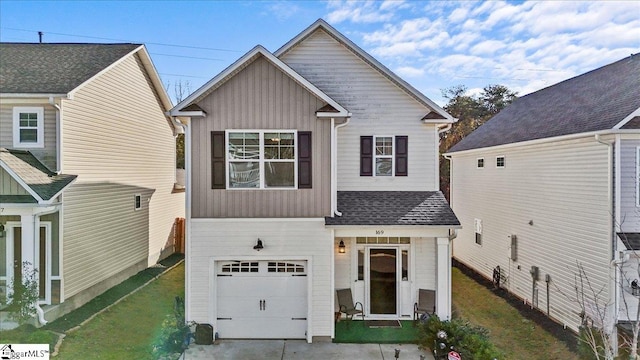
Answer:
(383, 281)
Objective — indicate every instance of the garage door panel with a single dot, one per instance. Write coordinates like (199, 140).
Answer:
(262, 304)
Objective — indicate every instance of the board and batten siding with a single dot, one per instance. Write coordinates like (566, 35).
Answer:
(227, 239)
(378, 107)
(629, 205)
(260, 97)
(554, 198)
(46, 155)
(8, 186)
(118, 141)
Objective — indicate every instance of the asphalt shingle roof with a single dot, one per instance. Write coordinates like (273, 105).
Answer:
(630, 240)
(596, 100)
(38, 177)
(50, 68)
(393, 208)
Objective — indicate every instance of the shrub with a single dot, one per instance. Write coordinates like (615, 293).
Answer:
(472, 342)
(24, 294)
(174, 334)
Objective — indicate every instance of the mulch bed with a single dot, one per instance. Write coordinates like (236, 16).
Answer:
(565, 335)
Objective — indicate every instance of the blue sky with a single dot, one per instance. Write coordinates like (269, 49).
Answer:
(431, 44)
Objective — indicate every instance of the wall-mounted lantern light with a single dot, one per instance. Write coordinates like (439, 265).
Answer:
(341, 247)
(259, 245)
(2, 232)
(635, 289)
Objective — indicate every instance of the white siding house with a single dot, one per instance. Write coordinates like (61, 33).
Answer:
(87, 156)
(311, 169)
(552, 181)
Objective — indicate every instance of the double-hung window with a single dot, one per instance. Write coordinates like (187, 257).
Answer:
(383, 156)
(261, 159)
(28, 127)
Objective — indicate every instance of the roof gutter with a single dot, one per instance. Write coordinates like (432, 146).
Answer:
(334, 164)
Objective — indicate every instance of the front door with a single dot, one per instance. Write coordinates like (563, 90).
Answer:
(14, 261)
(383, 279)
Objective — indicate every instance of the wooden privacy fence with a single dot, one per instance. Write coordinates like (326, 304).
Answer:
(179, 237)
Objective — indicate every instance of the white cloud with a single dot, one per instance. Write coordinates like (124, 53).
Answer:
(487, 47)
(361, 11)
(409, 71)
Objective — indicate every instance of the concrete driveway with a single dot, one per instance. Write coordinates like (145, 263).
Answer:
(300, 349)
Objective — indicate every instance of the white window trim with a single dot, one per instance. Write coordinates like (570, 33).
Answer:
(39, 130)
(135, 197)
(504, 161)
(392, 156)
(261, 160)
(637, 179)
(483, 163)
(477, 224)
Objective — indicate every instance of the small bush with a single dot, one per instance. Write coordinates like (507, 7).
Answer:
(174, 334)
(472, 342)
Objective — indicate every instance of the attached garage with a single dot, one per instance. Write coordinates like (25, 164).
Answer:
(262, 299)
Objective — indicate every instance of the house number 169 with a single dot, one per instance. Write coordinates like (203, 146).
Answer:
(379, 232)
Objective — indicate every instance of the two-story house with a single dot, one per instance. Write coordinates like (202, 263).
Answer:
(551, 184)
(87, 169)
(312, 169)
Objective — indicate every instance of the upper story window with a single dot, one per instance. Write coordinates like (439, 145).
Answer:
(28, 127)
(137, 202)
(384, 155)
(480, 163)
(500, 161)
(261, 159)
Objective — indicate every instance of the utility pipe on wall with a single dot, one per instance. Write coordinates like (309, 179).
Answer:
(334, 165)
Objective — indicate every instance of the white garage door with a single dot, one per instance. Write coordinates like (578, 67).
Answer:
(262, 299)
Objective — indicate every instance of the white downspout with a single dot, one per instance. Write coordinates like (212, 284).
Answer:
(187, 211)
(36, 225)
(334, 165)
(58, 134)
(614, 288)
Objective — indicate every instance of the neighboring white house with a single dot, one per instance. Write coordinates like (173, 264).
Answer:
(311, 169)
(87, 168)
(551, 182)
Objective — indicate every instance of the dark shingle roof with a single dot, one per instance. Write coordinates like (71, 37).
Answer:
(32, 172)
(597, 100)
(630, 240)
(54, 68)
(393, 208)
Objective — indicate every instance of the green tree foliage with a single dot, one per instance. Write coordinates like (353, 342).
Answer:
(471, 111)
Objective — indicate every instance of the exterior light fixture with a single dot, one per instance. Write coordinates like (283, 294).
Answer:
(341, 247)
(259, 245)
(2, 232)
(635, 289)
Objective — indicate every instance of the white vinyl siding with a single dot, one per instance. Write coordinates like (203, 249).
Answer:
(378, 107)
(118, 141)
(45, 153)
(562, 188)
(286, 239)
(9, 186)
(629, 184)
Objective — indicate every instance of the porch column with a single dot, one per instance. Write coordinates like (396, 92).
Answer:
(443, 293)
(28, 241)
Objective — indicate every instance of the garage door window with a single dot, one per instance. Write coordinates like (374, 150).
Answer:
(240, 267)
(285, 267)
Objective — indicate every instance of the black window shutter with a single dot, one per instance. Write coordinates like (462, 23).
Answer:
(304, 160)
(402, 155)
(366, 155)
(218, 173)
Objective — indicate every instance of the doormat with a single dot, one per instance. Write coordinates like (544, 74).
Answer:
(382, 323)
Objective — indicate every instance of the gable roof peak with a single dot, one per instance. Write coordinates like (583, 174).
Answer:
(370, 60)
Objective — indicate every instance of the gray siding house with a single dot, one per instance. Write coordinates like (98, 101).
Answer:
(552, 182)
(312, 169)
(87, 169)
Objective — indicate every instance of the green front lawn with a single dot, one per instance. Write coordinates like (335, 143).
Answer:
(127, 330)
(517, 337)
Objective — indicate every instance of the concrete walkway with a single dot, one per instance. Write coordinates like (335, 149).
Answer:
(300, 349)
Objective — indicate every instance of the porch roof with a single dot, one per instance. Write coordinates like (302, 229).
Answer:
(393, 208)
(630, 240)
(38, 180)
